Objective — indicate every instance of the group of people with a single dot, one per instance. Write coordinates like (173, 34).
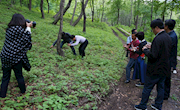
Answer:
(162, 57)
(161, 54)
(18, 42)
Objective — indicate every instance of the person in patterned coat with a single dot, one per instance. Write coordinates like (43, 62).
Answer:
(13, 54)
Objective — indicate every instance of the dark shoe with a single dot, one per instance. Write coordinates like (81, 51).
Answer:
(139, 84)
(127, 81)
(153, 106)
(137, 107)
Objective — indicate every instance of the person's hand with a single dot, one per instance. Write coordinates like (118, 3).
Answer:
(51, 46)
(148, 46)
(144, 48)
(125, 46)
(29, 24)
(69, 44)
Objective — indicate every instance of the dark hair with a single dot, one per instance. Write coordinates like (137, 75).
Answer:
(17, 20)
(170, 23)
(158, 23)
(133, 31)
(72, 36)
(140, 35)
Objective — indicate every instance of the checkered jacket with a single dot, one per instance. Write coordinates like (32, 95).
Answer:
(17, 43)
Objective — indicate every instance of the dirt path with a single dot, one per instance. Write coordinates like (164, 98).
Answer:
(125, 96)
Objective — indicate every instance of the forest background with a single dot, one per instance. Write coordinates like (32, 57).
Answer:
(69, 82)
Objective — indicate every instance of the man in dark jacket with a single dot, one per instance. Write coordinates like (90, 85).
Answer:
(66, 39)
(169, 26)
(158, 67)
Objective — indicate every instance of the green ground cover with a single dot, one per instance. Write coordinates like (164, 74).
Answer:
(56, 82)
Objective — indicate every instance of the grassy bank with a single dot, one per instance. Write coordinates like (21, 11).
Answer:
(56, 82)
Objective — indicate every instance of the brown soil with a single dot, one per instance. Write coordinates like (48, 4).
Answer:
(125, 96)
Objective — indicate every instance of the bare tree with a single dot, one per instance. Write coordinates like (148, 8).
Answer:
(30, 2)
(80, 16)
(59, 50)
(92, 9)
(152, 10)
(41, 7)
(73, 12)
(48, 5)
(84, 14)
(57, 17)
(102, 12)
(164, 10)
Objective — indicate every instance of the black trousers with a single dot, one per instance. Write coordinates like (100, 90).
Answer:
(17, 68)
(82, 48)
(167, 87)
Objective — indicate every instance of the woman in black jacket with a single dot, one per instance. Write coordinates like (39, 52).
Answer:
(13, 54)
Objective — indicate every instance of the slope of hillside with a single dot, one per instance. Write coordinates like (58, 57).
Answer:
(63, 82)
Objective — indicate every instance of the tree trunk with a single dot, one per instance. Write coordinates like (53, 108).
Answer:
(41, 6)
(80, 16)
(152, 10)
(172, 8)
(118, 16)
(163, 16)
(57, 17)
(59, 50)
(48, 5)
(84, 14)
(130, 20)
(67, 7)
(20, 3)
(30, 2)
(73, 12)
(92, 9)
(102, 12)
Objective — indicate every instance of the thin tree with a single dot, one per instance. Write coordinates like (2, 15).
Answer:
(48, 5)
(102, 11)
(84, 14)
(57, 17)
(73, 12)
(92, 9)
(30, 2)
(80, 16)
(164, 10)
(59, 50)
(152, 9)
(41, 7)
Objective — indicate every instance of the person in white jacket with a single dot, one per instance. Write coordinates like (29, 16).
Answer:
(79, 39)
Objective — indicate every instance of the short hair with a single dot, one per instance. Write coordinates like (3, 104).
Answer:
(170, 23)
(72, 36)
(140, 35)
(17, 20)
(158, 23)
(133, 31)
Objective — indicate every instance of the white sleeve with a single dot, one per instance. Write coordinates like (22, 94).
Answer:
(76, 43)
(28, 29)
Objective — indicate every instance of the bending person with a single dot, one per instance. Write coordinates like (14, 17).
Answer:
(13, 54)
(82, 40)
(66, 39)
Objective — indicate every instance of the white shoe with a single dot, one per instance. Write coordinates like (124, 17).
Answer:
(174, 71)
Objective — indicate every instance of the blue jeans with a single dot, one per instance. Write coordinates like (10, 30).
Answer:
(148, 86)
(131, 64)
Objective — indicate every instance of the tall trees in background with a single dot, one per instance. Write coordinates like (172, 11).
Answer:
(73, 12)
(92, 9)
(84, 14)
(30, 3)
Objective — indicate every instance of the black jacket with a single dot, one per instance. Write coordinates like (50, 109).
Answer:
(158, 56)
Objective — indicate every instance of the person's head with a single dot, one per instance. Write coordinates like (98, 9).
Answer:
(17, 20)
(169, 25)
(73, 37)
(157, 26)
(134, 31)
(140, 35)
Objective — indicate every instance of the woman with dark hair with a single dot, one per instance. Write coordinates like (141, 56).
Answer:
(13, 54)
(140, 66)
